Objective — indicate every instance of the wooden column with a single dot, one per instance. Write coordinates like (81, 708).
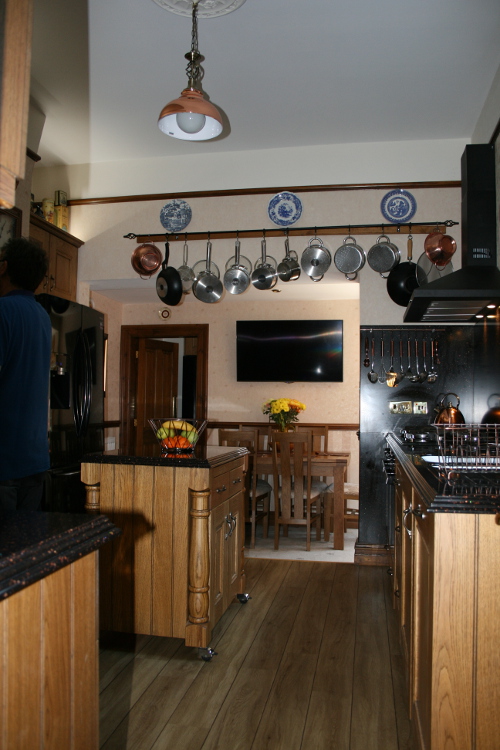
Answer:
(197, 631)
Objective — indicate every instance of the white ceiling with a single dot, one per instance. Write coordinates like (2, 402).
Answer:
(285, 73)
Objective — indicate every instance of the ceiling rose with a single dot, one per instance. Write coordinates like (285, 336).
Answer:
(206, 8)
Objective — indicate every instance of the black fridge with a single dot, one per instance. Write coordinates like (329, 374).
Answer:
(76, 412)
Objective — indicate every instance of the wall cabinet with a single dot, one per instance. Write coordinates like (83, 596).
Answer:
(179, 562)
(449, 612)
(62, 251)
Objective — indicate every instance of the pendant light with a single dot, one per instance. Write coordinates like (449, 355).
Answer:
(191, 117)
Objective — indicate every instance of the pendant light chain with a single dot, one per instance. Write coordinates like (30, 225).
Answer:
(194, 70)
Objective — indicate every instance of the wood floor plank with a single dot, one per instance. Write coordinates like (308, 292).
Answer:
(125, 690)
(373, 712)
(285, 715)
(406, 737)
(328, 722)
(312, 662)
(242, 710)
(189, 692)
(119, 650)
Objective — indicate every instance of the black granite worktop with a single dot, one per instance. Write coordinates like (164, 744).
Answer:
(203, 457)
(33, 545)
(477, 492)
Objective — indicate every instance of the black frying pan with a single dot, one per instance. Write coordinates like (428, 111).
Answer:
(402, 280)
(169, 282)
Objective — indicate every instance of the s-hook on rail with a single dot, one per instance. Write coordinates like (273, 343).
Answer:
(413, 227)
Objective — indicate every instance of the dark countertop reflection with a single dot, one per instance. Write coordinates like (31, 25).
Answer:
(33, 545)
(203, 457)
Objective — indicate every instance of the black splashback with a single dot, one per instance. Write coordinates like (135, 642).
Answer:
(457, 351)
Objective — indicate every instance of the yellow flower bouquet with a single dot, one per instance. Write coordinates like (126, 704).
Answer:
(283, 411)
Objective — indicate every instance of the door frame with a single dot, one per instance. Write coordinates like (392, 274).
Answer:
(130, 336)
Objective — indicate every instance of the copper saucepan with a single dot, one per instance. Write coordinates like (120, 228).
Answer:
(146, 259)
(439, 248)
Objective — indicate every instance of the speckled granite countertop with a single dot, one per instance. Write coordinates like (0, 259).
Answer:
(204, 457)
(34, 545)
(469, 493)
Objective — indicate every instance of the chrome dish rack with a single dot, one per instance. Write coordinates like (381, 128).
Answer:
(469, 449)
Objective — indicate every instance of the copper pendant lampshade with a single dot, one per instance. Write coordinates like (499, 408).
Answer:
(191, 117)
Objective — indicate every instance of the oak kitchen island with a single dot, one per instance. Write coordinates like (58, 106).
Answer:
(447, 595)
(179, 562)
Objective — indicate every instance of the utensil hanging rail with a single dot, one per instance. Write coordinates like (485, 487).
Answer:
(414, 227)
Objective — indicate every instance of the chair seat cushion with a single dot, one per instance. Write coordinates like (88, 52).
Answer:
(262, 487)
(350, 489)
(318, 485)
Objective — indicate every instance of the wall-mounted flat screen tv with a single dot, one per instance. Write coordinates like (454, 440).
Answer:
(289, 351)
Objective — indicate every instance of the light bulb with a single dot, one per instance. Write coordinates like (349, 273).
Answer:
(190, 122)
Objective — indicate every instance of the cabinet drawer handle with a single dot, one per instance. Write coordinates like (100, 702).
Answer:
(231, 522)
(406, 513)
(221, 489)
(237, 481)
(398, 529)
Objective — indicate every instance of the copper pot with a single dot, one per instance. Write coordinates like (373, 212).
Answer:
(146, 259)
(447, 413)
(439, 248)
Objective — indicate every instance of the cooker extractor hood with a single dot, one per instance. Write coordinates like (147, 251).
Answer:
(475, 288)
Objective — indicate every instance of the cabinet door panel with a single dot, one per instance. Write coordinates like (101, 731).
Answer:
(62, 271)
(234, 544)
(218, 531)
(422, 655)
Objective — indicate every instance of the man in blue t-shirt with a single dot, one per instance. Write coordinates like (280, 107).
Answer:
(25, 349)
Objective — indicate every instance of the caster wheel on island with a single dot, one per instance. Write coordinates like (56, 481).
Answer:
(206, 654)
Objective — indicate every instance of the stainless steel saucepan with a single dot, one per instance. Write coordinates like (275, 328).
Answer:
(383, 256)
(289, 268)
(265, 275)
(349, 258)
(316, 259)
(237, 277)
(207, 286)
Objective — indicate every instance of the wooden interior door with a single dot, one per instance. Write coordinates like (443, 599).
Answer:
(157, 376)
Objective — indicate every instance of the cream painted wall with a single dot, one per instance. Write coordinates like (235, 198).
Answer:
(240, 402)
(339, 164)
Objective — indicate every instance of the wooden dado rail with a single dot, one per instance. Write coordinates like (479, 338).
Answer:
(214, 425)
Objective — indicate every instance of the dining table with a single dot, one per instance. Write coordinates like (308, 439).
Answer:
(331, 465)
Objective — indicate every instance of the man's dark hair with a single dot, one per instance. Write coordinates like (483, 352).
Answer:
(27, 263)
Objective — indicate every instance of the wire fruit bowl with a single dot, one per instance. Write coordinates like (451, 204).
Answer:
(177, 436)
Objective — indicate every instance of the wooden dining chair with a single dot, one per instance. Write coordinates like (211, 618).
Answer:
(296, 502)
(319, 434)
(258, 491)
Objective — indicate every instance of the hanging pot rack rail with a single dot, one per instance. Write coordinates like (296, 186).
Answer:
(412, 227)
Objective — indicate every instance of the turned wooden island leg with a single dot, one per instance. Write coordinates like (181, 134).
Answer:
(91, 477)
(197, 629)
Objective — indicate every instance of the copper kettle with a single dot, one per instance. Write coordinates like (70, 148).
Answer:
(447, 413)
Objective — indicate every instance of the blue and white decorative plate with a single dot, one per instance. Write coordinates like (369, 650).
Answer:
(284, 209)
(175, 215)
(398, 206)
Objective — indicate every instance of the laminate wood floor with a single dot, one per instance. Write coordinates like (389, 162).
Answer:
(311, 662)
